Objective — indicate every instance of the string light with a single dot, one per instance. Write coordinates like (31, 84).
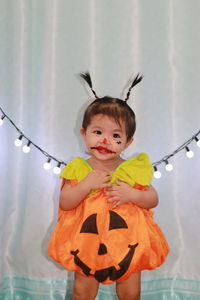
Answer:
(57, 169)
(189, 153)
(18, 142)
(197, 140)
(1, 120)
(47, 164)
(157, 174)
(169, 167)
(26, 148)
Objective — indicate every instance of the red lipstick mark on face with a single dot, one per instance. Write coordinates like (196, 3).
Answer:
(104, 141)
(102, 150)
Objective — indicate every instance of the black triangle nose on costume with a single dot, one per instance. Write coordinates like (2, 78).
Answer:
(102, 249)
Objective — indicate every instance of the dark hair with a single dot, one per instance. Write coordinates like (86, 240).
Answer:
(114, 108)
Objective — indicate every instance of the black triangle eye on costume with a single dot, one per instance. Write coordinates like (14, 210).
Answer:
(90, 224)
(116, 221)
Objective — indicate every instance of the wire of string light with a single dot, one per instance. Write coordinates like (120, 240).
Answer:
(165, 159)
(26, 148)
(57, 168)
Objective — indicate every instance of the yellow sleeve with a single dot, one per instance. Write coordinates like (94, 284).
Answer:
(141, 169)
(135, 170)
(75, 169)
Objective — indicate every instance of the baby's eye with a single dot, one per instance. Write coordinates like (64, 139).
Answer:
(116, 135)
(97, 132)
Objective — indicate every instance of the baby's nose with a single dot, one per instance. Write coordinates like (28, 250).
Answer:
(104, 141)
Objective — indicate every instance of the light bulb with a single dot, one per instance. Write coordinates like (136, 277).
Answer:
(198, 141)
(26, 148)
(18, 142)
(157, 174)
(47, 165)
(169, 167)
(189, 153)
(57, 169)
(1, 120)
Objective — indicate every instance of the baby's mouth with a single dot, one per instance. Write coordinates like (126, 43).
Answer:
(102, 150)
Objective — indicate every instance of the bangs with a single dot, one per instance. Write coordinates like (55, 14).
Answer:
(111, 111)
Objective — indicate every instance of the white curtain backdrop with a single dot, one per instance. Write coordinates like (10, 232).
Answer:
(43, 46)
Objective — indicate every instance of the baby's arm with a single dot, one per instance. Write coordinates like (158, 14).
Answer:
(123, 192)
(71, 196)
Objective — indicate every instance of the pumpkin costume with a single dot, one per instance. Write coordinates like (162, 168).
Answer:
(108, 244)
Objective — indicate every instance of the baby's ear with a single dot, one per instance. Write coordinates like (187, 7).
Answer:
(82, 132)
(129, 142)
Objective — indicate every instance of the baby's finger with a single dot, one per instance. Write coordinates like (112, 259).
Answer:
(109, 189)
(114, 188)
(106, 178)
(111, 192)
(113, 199)
(116, 204)
(106, 186)
(119, 182)
(108, 192)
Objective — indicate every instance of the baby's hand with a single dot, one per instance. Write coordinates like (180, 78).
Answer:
(97, 179)
(119, 194)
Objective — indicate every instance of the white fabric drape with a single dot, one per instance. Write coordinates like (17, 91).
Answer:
(43, 47)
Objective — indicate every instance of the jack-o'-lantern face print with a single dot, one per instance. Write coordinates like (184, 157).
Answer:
(94, 255)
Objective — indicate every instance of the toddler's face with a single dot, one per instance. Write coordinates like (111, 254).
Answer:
(105, 139)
